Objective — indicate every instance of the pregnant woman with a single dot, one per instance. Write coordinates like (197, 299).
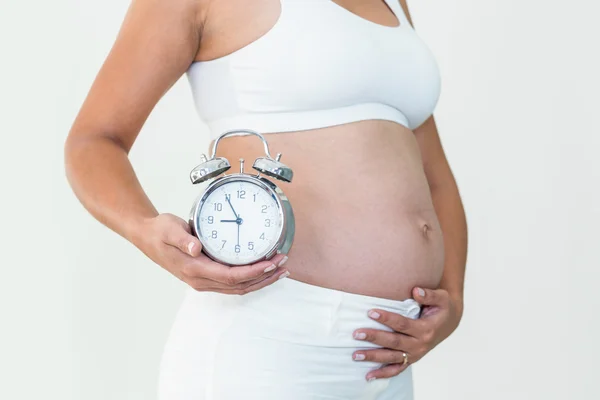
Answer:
(345, 90)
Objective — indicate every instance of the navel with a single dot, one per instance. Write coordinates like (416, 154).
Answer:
(425, 228)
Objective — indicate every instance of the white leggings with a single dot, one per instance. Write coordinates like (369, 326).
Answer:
(288, 341)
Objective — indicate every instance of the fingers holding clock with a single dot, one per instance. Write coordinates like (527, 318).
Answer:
(167, 240)
(249, 272)
(181, 254)
(204, 267)
(260, 283)
(244, 287)
(176, 232)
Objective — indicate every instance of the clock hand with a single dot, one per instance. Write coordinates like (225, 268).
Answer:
(238, 231)
(229, 201)
(229, 220)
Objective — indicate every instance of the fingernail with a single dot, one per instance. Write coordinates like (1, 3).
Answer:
(421, 292)
(191, 247)
(283, 260)
(360, 335)
(270, 267)
(371, 379)
(359, 357)
(374, 314)
(286, 273)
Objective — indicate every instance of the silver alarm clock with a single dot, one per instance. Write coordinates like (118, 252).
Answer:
(242, 218)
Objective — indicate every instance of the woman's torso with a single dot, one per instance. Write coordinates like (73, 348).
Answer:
(365, 221)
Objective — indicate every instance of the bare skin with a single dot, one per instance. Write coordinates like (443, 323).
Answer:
(371, 198)
(366, 222)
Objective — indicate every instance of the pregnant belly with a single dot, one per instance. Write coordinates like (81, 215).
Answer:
(382, 254)
(365, 221)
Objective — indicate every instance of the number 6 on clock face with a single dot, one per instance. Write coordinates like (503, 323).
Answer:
(240, 222)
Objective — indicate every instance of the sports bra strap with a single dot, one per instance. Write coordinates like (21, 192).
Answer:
(398, 11)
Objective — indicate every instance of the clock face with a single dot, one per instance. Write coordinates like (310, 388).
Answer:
(239, 222)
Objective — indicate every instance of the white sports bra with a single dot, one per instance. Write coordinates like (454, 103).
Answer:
(320, 65)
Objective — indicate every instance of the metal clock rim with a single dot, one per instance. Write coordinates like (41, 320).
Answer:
(286, 232)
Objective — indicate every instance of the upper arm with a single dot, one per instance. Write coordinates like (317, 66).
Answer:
(156, 43)
(434, 158)
(405, 8)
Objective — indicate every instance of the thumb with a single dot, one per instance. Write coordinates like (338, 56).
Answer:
(193, 247)
(428, 297)
(184, 241)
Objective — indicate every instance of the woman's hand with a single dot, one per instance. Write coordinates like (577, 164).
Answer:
(167, 240)
(440, 316)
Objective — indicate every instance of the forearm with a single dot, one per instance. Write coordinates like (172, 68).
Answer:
(451, 214)
(102, 177)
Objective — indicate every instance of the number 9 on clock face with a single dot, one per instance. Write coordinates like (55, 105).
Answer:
(239, 222)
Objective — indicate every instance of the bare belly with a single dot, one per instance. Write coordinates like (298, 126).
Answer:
(365, 221)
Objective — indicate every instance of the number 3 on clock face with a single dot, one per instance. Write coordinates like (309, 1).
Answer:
(240, 221)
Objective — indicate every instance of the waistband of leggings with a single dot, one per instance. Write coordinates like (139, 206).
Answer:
(303, 290)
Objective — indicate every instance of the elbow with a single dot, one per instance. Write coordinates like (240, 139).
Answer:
(73, 148)
(68, 156)
(79, 145)
(78, 149)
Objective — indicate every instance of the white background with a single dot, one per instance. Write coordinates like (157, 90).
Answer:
(84, 314)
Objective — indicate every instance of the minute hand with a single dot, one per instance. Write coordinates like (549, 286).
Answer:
(230, 205)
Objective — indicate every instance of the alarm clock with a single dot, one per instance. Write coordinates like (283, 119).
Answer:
(242, 218)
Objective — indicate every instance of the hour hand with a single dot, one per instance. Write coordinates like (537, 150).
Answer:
(229, 220)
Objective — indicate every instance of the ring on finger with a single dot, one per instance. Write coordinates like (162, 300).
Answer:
(405, 357)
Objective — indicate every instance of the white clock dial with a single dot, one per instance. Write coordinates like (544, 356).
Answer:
(240, 222)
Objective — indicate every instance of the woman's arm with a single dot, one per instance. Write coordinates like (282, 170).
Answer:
(157, 42)
(447, 203)
(449, 209)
